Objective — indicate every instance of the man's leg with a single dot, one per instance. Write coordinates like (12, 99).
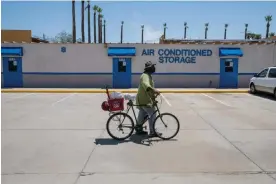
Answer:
(141, 115)
(150, 111)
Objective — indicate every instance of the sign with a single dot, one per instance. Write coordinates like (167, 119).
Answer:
(63, 49)
(177, 55)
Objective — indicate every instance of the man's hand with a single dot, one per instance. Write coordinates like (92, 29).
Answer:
(156, 91)
(153, 92)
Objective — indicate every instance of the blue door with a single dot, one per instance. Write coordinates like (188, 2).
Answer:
(121, 72)
(12, 71)
(228, 73)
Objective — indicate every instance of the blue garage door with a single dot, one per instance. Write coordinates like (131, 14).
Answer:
(12, 71)
(121, 72)
(228, 73)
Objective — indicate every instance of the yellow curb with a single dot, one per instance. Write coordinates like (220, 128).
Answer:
(122, 91)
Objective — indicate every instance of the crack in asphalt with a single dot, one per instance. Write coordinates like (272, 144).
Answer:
(94, 148)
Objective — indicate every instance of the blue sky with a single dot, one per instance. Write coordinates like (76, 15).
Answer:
(52, 17)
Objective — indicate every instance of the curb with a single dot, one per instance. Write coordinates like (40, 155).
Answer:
(122, 91)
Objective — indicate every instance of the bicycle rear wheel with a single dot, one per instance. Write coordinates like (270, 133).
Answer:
(124, 123)
(160, 121)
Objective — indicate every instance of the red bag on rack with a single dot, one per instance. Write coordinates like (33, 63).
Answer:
(116, 104)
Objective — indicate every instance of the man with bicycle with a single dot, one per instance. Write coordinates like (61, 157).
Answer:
(146, 93)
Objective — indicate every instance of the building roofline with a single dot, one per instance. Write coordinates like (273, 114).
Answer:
(219, 40)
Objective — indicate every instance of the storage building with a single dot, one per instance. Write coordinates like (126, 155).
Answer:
(193, 65)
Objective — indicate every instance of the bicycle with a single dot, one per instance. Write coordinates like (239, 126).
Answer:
(132, 126)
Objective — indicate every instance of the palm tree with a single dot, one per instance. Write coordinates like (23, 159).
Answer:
(82, 21)
(185, 29)
(268, 19)
(74, 21)
(245, 31)
(165, 27)
(225, 30)
(104, 24)
(88, 21)
(122, 29)
(101, 27)
(99, 24)
(206, 29)
(95, 8)
(142, 36)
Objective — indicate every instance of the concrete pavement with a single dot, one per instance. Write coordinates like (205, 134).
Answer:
(61, 139)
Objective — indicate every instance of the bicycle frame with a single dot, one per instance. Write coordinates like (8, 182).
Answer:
(131, 106)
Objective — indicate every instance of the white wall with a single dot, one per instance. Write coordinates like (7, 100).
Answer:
(2, 76)
(93, 58)
(274, 55)
(256, 57)
(77, 58)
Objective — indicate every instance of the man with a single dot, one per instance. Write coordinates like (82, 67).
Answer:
(144, 97)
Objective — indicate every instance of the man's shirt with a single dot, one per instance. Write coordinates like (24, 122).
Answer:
(143, 96)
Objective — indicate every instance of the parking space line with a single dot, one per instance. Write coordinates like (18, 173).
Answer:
(219, 101)
(64, 98)
(166, 100)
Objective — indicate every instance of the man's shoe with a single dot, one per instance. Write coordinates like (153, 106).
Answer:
(154, 135)
(141, 132)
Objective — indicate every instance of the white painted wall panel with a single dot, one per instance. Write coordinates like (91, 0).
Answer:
(256, 57)
(78, 58)
(93, 58)
(274, 56)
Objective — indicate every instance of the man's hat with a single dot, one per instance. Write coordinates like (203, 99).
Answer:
(149, 64)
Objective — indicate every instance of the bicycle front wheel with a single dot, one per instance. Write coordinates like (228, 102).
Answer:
(121, 123)
(166, 126)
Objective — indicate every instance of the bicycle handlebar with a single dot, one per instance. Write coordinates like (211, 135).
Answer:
(154, 98)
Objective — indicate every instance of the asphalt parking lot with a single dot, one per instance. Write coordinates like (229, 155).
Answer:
(61, 139)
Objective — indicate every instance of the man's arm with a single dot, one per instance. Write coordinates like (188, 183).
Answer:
(146, 85)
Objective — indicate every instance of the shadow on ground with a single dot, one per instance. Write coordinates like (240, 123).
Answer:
(137, 139)
(264, 95)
